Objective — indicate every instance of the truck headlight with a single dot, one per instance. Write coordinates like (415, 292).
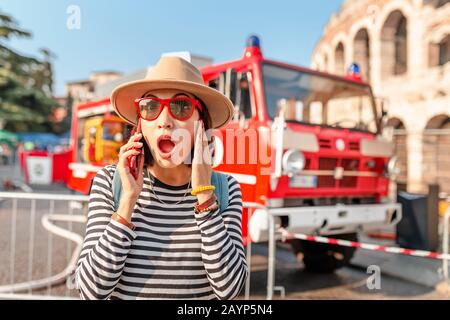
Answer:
(293, 162)
(392, 168)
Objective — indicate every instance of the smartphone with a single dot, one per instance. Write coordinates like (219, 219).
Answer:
(133, 161)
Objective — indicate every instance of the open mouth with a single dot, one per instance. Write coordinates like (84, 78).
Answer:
(165, 145)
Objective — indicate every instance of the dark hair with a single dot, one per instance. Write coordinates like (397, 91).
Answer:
(204, 115)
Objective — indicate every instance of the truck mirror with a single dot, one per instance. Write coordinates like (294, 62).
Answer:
(222, 82)
(231, 84)
(228, 84)
(381, 105)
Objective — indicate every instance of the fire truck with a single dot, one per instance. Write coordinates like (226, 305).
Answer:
(314, 150)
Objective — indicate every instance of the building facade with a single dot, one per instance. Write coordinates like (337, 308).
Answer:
(403, 49)
(84, 90)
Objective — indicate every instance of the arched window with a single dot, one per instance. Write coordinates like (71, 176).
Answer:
(339, 59)
(444, 50)
(361, 53)
(436, 143)
(439, 53)
(394, 49)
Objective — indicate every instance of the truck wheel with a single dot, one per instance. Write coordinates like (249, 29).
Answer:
(324, 258)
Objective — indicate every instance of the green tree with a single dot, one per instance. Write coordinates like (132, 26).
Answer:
(26, 83)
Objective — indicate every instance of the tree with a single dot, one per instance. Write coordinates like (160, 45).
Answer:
(26, 83)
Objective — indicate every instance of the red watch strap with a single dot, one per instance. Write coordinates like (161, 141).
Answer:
(123, 221)
(213, 207)
(206, 204)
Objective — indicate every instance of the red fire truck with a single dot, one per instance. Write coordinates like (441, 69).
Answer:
(324, 162)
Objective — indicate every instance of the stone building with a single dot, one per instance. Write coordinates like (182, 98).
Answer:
(403, 49)
(100, 84)
(84, 90)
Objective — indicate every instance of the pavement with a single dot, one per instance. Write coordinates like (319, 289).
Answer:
(422, 271)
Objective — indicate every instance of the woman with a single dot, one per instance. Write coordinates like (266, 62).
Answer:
(168, 238)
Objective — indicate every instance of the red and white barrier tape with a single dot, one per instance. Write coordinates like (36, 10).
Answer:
(368, 246)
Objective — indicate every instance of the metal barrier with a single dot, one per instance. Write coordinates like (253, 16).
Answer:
(281, 234)
(15, 290)
(271, 253)
(271, 288)
(249, 205)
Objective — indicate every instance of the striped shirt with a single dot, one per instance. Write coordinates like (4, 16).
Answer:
(172, 253)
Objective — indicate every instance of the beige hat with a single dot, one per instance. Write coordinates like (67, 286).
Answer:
(172, 73)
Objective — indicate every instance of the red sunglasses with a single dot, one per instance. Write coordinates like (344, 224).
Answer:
(180, 108)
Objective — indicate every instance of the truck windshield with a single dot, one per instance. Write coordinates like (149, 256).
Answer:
(318, 100)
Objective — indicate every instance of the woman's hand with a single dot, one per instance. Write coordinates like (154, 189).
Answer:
(131, 188)
(201, 163)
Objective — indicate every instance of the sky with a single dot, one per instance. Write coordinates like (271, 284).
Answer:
(127, 35)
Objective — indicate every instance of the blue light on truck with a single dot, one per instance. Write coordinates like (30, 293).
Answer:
(354, 70)
(253, 41)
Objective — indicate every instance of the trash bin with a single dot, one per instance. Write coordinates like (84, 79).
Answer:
(418, 228)
(39, 169)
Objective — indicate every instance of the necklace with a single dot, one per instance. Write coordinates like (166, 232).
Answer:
(156, 196)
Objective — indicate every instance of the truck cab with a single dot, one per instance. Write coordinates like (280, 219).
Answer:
(309, 146)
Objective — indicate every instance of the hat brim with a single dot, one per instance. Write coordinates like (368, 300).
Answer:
(220, 108)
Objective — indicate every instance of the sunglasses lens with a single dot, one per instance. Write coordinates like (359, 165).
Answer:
(180, 108)
(149, 108)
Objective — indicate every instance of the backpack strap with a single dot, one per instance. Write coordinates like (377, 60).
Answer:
(218, 180)
(116, 189)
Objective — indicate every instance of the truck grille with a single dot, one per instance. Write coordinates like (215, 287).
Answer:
(325, 143)
(307, 202)
(328, 144)
(329, 164)
(354, 145)
(349, 165)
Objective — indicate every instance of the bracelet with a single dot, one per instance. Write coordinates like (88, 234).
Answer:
(122, 220)
(207, 203)
(213, 207)
(201, 189)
